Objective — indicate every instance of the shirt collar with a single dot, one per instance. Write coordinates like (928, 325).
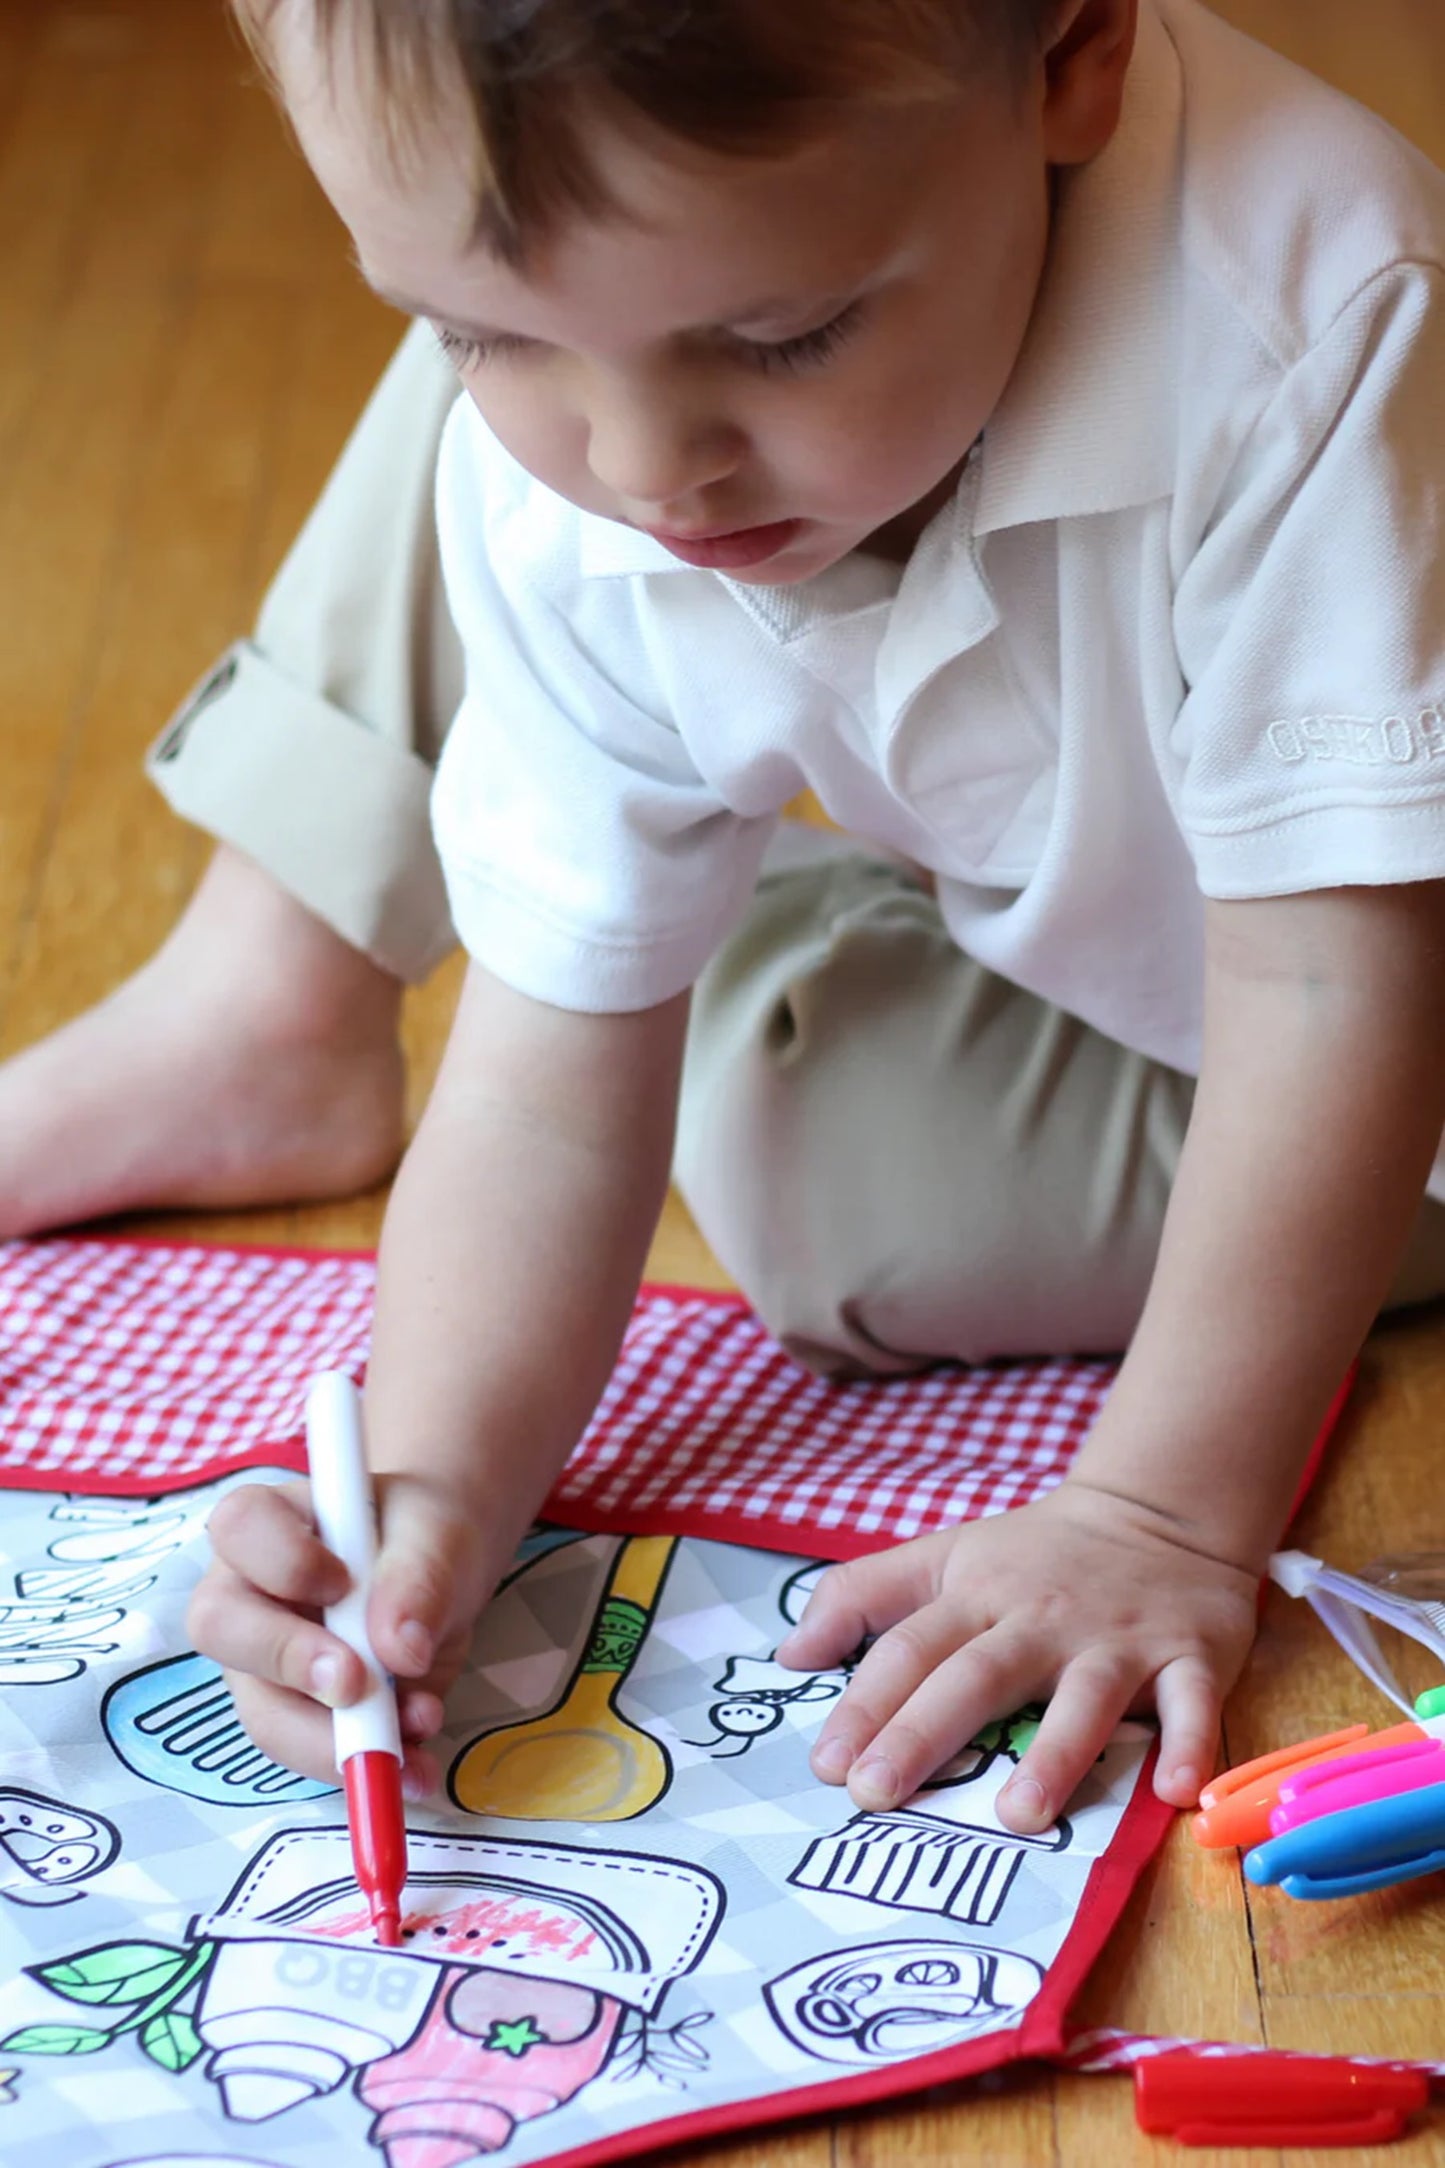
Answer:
(1086, 423)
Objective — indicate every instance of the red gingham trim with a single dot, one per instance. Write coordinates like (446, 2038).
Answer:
(1106, 2048)
(707, 1419)
(144, 1367)
(141, 1367)
(148, 1367)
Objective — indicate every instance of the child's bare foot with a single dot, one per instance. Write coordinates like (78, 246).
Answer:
(254, 1059)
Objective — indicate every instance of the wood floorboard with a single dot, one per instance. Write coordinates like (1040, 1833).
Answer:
(183, 347)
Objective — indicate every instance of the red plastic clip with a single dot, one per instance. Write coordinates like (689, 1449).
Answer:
(1274, 2099)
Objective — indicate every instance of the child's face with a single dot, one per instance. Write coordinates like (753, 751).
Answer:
(765, 363)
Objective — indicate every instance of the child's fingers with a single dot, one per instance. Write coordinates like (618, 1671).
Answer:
(421, 1773)
(863, 1596)
(263, 1532)
(1092, 1695)
(985, 1678)
(292, 1728)
(420, 1712)
(243, 1630)
(296, 1731)
(888, 1677)
(423, 1588)
(1189, 1702)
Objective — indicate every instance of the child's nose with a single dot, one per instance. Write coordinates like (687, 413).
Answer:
(655, 460)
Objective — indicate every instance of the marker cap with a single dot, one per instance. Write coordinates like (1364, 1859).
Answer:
(1235, 1805)
(1274, 2100)
(1353, 1780)
(1360, 1848)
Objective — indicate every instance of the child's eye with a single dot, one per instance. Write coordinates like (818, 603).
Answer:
(810, 349)
(465, 353)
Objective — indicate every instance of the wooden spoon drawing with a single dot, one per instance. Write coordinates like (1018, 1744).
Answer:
(582, 1761)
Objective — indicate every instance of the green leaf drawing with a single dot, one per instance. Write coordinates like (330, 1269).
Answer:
(55, 2040)
(171, 2040)
(113, 1972)
(1011, 1735)
(1021, 1731)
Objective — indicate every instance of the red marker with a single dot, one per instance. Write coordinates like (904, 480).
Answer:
(368, 1735)
(1273, 2100)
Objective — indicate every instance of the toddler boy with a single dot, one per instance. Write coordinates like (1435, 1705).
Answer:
(1024, 433)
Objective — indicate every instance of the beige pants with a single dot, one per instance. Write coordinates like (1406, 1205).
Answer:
(899, 1155)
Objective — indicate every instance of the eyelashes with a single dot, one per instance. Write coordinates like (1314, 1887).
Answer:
(459, 351)
(780, 357)
(810, 349)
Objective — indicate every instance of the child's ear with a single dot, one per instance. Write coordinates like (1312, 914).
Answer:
(1085, 64)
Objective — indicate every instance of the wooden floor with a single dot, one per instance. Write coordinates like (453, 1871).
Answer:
(182, 347)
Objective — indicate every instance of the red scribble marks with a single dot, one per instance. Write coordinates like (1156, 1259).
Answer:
(470, 1929)
(342, 1926)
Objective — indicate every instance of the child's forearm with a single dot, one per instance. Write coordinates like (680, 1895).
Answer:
(514, 1242)
(1320, 1106)
(1136, 1578)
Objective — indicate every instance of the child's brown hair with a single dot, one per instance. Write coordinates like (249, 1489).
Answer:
(741, 77)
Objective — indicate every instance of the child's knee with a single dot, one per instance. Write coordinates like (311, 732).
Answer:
(901, 1157)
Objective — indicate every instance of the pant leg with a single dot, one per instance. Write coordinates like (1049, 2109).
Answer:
(311, 747)
(902, 1157)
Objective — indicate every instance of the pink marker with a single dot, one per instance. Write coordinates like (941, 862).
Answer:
(1352, 1780)
(367, 1734)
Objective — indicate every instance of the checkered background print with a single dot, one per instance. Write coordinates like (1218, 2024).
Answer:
(137, 1368)
(109, 1723)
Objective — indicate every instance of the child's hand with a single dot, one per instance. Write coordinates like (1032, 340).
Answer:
(1084, 1599)
(257, 1610)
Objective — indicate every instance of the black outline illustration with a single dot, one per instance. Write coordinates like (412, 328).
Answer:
(194, 1733)
(50, 1845)
(910, 1862)
(63, 1610)
(747, 1712)
(835, 2006)
(555, 1948)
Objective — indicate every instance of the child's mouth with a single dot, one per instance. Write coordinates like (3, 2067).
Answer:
(733, 551)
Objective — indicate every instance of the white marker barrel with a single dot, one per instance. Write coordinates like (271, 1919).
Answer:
(346, 1518)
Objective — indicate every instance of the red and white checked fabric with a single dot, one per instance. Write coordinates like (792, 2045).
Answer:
(136, 1368)
(1105, 2048)
(143, 1367)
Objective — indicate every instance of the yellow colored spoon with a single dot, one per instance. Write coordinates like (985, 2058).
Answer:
(581, 1761)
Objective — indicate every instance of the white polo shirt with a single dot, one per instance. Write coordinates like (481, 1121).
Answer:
(1180, 632)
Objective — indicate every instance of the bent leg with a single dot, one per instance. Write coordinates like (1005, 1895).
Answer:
(901, 1156)
(255, 1058)
(311, 747)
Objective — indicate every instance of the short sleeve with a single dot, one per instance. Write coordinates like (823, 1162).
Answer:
(588, 862)
(1309, 750)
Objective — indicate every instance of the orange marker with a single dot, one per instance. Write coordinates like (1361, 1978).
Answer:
(1235, 1807)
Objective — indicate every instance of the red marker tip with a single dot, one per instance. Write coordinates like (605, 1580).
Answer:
(372, 1783)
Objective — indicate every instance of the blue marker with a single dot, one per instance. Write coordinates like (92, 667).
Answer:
(1361, 1848)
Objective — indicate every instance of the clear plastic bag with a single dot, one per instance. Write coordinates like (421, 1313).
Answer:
(1391, 1590)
